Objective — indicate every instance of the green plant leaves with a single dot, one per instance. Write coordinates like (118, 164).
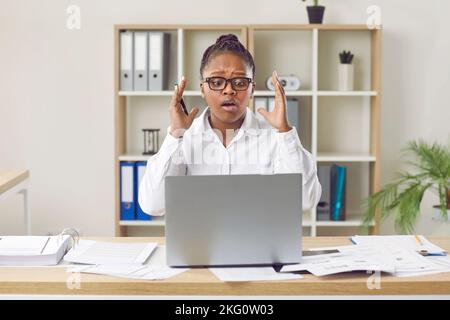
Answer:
(402, 197)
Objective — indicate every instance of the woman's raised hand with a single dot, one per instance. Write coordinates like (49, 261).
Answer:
(277, 117)
(179, 120)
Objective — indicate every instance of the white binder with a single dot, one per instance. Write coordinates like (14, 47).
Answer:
(126, 61)
(140, 61)
(32, 250)
(270, 104)
(293, 115)
(158, 60)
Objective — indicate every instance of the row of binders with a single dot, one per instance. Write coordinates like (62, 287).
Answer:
(332, 201)
(131, 174)
(144, 60)
(293, 112)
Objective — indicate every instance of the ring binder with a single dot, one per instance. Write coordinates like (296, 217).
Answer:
(36, 250)
(73, 234)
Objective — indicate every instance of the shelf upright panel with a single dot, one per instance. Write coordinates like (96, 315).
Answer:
(314, 120)
(375, 109)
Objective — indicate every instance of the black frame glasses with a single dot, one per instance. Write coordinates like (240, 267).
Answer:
(233, 81)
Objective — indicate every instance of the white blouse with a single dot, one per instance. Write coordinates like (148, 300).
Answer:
(256, 148)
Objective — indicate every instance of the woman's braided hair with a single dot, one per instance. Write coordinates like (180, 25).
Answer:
(227, 43)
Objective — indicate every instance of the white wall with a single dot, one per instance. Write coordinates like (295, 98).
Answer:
(56, 93)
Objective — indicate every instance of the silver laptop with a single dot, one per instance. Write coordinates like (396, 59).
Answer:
(233, 220)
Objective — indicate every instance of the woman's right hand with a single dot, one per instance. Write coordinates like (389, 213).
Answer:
(180, 121)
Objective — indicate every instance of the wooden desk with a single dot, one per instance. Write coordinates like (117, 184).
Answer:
(201, 282)
(13, 182)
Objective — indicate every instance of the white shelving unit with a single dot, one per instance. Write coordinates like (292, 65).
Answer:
(319, 92)
(324, 108)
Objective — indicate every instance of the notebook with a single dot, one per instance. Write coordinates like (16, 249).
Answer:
(32, 250)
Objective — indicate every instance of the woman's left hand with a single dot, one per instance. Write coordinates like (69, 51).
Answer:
(277, 117)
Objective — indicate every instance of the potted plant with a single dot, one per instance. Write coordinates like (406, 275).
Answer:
(345, 71)
(402, 198)
(315, 12)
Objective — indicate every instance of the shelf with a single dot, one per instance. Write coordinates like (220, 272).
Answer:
(156, 222)
(321, 157)
(263, 93)
(353, 220)
(307, 224)
(165, 93)
(336, 157)
(258, 93)
(347, 93)
(346, 223)
(161, 223)
(133, 157)
(336, 126)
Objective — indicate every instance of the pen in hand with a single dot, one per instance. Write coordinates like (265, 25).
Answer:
(184, 107)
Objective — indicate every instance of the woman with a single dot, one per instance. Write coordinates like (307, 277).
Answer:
(227, 138)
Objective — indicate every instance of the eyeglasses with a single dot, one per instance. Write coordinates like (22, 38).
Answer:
(219, 83)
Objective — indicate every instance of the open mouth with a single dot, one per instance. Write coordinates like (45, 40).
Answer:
(229, 105)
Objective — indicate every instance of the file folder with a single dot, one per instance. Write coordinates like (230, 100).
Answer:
(140, 171)
(126, 61)
(270, 104)
(260, 102)
(127, 187)
(158, 60)
(323, 207)
(140, 61)
(338, 184)
(292, 111)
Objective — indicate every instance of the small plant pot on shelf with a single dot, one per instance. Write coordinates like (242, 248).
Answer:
(315, 14)
(345, 72)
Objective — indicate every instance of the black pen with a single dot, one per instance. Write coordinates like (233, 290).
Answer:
(184, 107)
(182, 102)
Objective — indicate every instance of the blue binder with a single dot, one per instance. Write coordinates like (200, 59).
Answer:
(139, 174)
(127, 191)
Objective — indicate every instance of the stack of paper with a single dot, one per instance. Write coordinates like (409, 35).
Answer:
(122, 264)
(32, 250)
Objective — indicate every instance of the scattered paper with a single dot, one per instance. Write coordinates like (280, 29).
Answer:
(422, 244)
(154, 269)
(391, 258)
(441, 264)
(96, 252)
(251, 274)
(349, 258)
(145, 272)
